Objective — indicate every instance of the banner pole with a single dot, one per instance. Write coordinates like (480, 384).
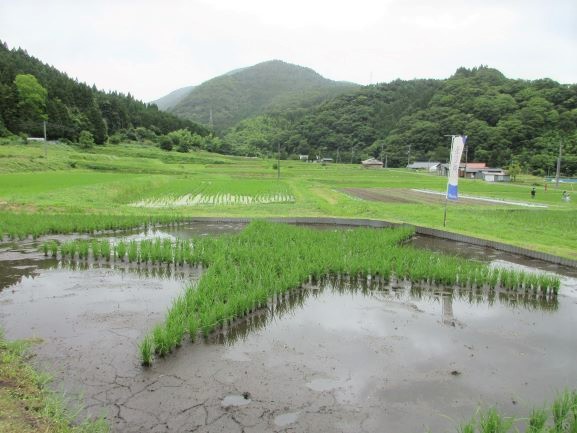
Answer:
(447, 191)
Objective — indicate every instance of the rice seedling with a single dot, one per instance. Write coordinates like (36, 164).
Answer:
(121, 250)
(132, 252)
(468, 427)
(105, 249)
(53, 248)
(146, 348)
(562, 406)
(493, 422)
(20, 225)
(45, 248)
(160, 341)
(83, 249)
(537, 421)
(95, 246)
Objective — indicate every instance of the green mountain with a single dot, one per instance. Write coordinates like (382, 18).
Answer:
(254, 90)
(32, 92)
(506, 120)
(168, 101)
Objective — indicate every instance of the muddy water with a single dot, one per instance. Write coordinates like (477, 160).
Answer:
(336, 358)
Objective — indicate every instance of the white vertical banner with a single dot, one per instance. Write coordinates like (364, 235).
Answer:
(457, 147)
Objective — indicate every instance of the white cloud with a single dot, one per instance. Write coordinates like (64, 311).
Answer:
(149, 48)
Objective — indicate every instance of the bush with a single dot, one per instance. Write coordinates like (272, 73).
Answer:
(86, 139)
(166, 143)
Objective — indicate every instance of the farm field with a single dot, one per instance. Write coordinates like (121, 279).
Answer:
(143, 182)
(136, 310)
(309, 358)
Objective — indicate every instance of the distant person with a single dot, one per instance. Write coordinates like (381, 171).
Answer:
(533, 192)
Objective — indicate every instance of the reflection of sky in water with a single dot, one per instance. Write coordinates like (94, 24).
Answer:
(187, 231)
(357, 338)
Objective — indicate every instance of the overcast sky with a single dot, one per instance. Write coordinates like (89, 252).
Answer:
(149, 48)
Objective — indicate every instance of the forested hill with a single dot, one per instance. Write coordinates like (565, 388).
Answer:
(254, 90)
(31, 92)
(506, 120)
(168, 101)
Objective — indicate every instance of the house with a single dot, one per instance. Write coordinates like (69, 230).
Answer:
(372, 163)
(303, 157)
(467, 170)
(326, 160)
(494, 175)
(478, 170)
(429, 166)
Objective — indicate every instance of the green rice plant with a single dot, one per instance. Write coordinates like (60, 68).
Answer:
(45, 248)
(493, 422)
(96, 251)
(193, 327)
(160, 341)
(145, 250)
(562, 407)
(121, 250)
(132, 252)
(167, 251)
(83, 249)
(68, 249)
(146, 349)
(105, 249)
(53, 245)
(468, 427)
(537, 421)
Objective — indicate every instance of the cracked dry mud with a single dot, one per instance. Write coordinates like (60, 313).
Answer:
(324, 362)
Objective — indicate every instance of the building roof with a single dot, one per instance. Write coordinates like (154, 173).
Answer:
(372, 161)
(473, 165)
(495, 171)
(423, 165)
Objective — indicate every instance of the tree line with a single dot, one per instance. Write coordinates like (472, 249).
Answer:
(32, 92)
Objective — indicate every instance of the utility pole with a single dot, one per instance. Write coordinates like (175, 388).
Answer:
(558, 164)
(338, 155)
(45, 149)
(386, 160)
(278, 163)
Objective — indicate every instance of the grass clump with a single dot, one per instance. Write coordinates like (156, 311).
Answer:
(561, 417)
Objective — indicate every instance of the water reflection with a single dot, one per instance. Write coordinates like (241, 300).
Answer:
(13, 271)
(281, 305)
(162, 271)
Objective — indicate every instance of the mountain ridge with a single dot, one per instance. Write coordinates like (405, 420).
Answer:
(249, 91)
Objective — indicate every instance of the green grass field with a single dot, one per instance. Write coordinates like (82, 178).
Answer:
(141, 182)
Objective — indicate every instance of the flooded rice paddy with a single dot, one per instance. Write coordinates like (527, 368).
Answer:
(339, 356)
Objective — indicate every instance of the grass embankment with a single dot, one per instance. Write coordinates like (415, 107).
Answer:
(144, 181)
(26, 405)
(246, 269)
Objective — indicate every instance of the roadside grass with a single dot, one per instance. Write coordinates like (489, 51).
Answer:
(26, 403)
